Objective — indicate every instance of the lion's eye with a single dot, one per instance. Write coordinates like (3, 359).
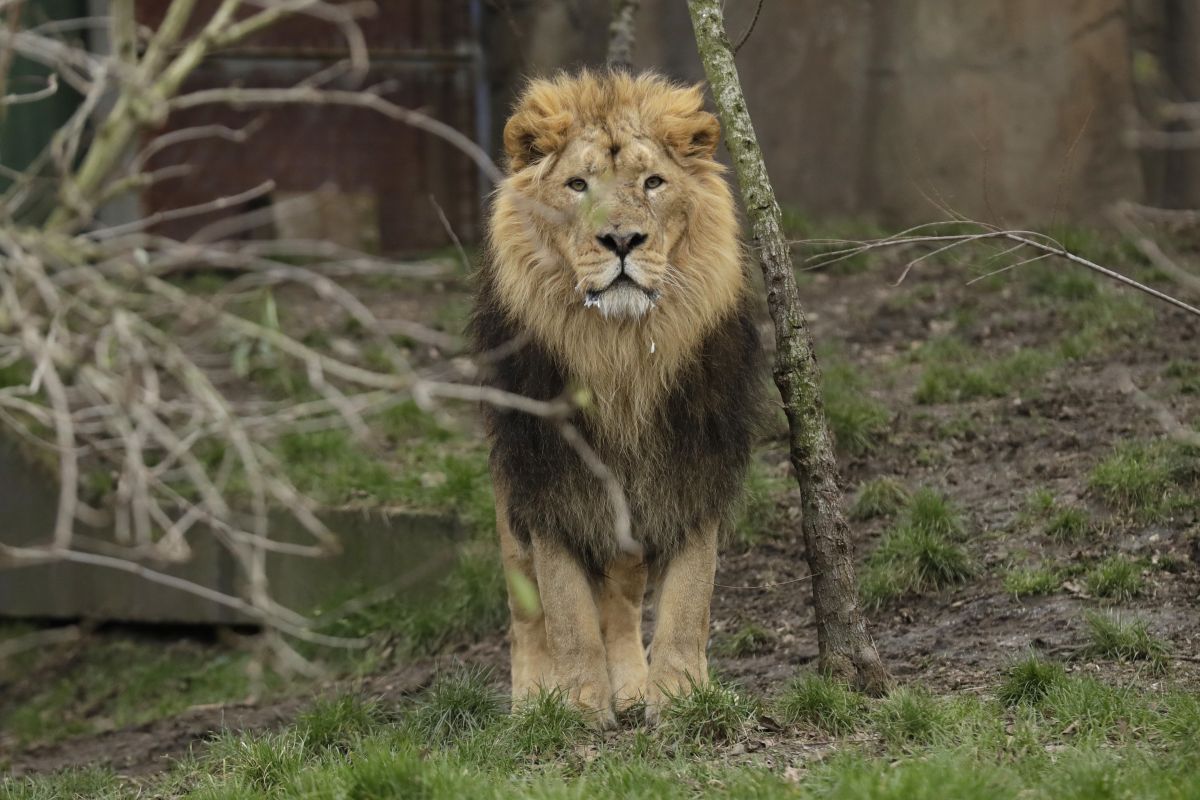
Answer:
(577, 184)
(654, 181)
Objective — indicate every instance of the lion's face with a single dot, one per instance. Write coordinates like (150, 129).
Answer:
(622, 203)
(610, 178)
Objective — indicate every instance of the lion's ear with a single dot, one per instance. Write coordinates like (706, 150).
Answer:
(690, 130)
(537, 127)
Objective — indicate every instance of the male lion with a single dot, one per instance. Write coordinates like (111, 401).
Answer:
(614, 267)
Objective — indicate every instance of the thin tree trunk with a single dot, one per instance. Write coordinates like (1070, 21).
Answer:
(846, 649)
(621, 33)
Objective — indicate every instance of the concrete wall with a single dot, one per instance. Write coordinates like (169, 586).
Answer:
(1005, 110)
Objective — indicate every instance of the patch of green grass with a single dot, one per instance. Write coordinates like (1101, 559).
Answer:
(710, 713)
(1093, 710)
(262, 763)
(762, 516)
(458, 704)
(336, 722)
(748, 640)
(958, 373)
(821, 703)
(858, 421)
(469, 602)
(882, 497)
(1148, 479)
(1069, 525)
(920, 554)
(1029, 681)
(1185, 373)
(1040, 502)
(931, 511)
(910, 560)
(1115, 578)
(1110, 636)
(545, 726)
(85, 782)
(157, 681)
(1028, 581)
(910, 716)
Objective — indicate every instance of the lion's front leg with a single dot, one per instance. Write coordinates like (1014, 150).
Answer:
(530, 655)
(677, 651)
(621, 595)
(573, 635)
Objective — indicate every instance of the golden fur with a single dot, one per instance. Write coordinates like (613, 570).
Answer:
(614, 266)
(571, 126)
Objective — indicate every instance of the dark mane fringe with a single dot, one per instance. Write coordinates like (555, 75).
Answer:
(687, 470)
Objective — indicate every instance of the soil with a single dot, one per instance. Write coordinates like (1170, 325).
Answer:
(995, 454)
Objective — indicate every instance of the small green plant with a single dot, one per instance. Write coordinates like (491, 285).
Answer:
(748, 640)
(1187, 373)
(545, 725)
(458, 704)
(821, 703)
(709, 713)
(1110, 636)
(882, 497)
(858, 421)
(1115, 578)
(910, 716)
(1027, 581)
(338, 721)
(1069, 525)
(1029, 681)
(263, 763)
(959, 373)
(1040, 503)
(762, 516)
(1148, 480)
(910, 560)
(930, 511)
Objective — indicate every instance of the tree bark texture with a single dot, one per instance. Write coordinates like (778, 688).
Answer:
(621, 33)
(846, 649)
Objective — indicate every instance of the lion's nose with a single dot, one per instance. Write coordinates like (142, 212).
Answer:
(621, 243)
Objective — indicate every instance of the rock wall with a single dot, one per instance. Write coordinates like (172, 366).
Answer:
(1003, 110)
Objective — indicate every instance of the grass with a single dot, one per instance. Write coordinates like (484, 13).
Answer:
(545, 726)
(748, 640)
(711, 713)
(1115, 578)
(458, 704)
(1148, 480)
(858, 421)
(920, 554)
(1029, 581)
(469, 602)
(821, 704)
(882, 497)
(338, 721)
(956, 372)
(1047, 734)
(157, 681)
(761, 516)
(911, 716)
(1110, 636)
(1186, 374)
(1029, 681)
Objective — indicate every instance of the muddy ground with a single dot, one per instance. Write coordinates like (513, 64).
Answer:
(988, 455)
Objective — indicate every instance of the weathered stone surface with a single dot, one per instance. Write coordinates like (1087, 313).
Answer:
(1005, 110)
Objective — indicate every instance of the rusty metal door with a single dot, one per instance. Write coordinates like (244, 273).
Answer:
(374, 180)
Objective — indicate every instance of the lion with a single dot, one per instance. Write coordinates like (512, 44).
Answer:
(613, 272)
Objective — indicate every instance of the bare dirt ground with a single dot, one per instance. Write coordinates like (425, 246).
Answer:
(987, 455)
